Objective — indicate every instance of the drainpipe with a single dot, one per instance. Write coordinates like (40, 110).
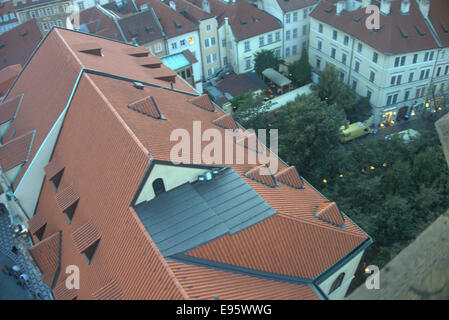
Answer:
(350, 61)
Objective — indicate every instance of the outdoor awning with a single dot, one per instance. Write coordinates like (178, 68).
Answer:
(276, 77)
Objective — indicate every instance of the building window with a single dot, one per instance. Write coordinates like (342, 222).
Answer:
(41, 12)
(59, 23)
(372, 76)
(334, 35)
(354, 85)
(287, 35)
(208, 27)
(346, 41)
(304, 30)
(182, 43)
(438, 71)
(359, 47)
(270, 38)
(431, 55)
(369, 94)
(342, 76)
(45, 26)
(174, 46)
(357, 66)
(426, 56)
(81, 5)
(278, 36)
(344, 58)
(206, 43)
(320, 45)
(295, 50)
(446, 71)
(337, 283)
(287, 18)
(223, 43)
(278, 53)
(55, 10)
(247, 48)
(333, 52)
(410, 76)
(48, 11)
(295, 16)
(406, 95)
(261, 41)
(90, 251)
(158, 186)
(295, 33)
(415, 58)
(320, 28)
(318, 63)
(248, 64)
(287, 52)
(23, 17)
(225, 61)
(375, 57)
(213, 42)
(304, 14)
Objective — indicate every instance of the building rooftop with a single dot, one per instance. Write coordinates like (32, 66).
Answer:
(399, 33)
(282, 245)
(7, 8)
(17, 44)
(290, 5)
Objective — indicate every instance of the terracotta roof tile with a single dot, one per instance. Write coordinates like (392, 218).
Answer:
(15, 152)
(61, 292)
(66, 197)
(36, 222)
(85, 236)
(53, 167)
(99, 24)
(149, 62)
(203, 102)
(329, 212)
(142, 27)
(8, 109)
(290, 177)
(389, 39)
(46, 254)
(211, 284)
(7, 77)
(262, 174)
(111, 291)
(19, 44)
(147, 107)
(438, 17)
(226, 121)
(290, 5)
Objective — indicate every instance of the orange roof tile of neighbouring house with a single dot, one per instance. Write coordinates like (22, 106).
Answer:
(47, 256)
(15, 152)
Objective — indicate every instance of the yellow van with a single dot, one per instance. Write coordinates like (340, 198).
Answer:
(353, 131)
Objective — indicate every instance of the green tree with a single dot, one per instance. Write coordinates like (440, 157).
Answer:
(301, 70)
(250, 110)
(308, 130)
(265, 59)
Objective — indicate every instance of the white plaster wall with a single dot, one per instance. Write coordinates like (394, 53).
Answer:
(349, 269)
(29, 188)
(173, 177)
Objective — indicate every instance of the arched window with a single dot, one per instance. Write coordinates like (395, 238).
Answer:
(158, 186)
(337, 283)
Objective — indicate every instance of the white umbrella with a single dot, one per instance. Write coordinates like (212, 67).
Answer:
(16, 268)
(24, 276)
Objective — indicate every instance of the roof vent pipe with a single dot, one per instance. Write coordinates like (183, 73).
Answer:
(138, 85)
(208, 176)
(340, 7)
(424, 6)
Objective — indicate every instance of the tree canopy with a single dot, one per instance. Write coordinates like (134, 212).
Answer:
(250, 110)
(264, 59)
(301, 70)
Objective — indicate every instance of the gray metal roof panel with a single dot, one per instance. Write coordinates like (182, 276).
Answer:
(194, 214)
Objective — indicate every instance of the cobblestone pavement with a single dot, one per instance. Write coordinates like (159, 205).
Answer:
(35, 284)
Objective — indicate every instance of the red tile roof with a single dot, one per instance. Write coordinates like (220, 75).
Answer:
(117, 145)
(290, 5)
(398, 33)
(226, 121)
(98, 23)
(147, 107)
(290, 177)
(53, 168)
(15, 152)
(8, 109)
(261, 174)
(173, 23)
(329, 212)
(210, 284)
(6, 8)
(438, 17)
(17, 45)
(85, 236)
(46, 254)
(61, 292)
(203, 102)
(36, 222)
(66, 197)
(7, 77)
(111, 291)
(245, 19)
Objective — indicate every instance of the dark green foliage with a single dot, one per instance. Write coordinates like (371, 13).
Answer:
(301, 70)
(264, 59)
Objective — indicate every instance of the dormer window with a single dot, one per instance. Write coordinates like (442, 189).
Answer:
(56, 180)
(158, 186)
(90, 251)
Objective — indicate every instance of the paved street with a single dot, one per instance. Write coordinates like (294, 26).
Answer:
(8, 287)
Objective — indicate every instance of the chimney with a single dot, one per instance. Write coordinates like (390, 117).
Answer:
(206, 6)
(340, 6)
(405, 6)
(366, 3)
(424, 6)
(385, 7)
